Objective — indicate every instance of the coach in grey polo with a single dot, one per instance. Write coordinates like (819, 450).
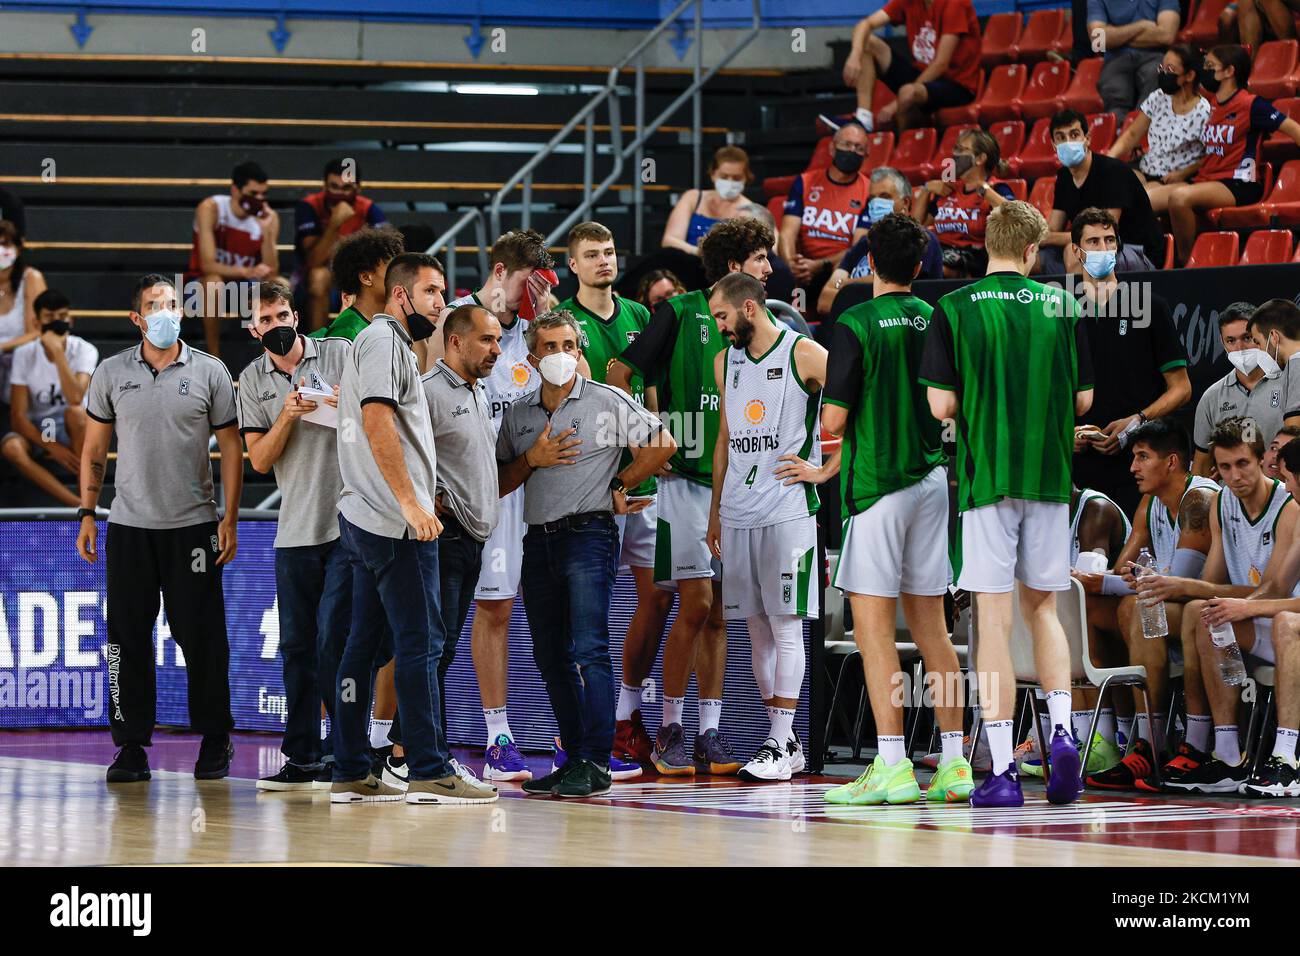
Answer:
(571, 493)
(164, 400)
(465, 436)
(313, 576)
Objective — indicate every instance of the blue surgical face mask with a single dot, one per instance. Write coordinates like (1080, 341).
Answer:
(1099, 263)
(164, 328)
(879, 208)
(1071, 153)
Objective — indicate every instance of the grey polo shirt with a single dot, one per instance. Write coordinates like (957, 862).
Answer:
(1268, 403)
(465, 437)
(607, 421)
(307, 471)
(163, 421)
(382, 368)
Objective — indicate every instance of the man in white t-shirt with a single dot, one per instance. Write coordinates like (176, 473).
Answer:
(47, 418)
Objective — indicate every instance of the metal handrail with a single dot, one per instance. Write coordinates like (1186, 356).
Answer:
(591, 194)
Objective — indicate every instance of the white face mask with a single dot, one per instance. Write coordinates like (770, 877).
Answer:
(1269, 364)
(558, 368)
(1245, 360)
(8, 256)
(728, 188)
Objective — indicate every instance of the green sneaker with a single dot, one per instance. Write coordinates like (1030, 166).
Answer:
(888, 784)
(843, 794)
(952, 782)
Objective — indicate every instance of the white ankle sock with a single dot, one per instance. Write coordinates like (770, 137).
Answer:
(629, 701)
(782, 725)
(1079, 721)
(497, 724)
(1125, 727)
(891, 749)
(1058, 709)
(1000, 746)
(673, 707)
(379, 733)
(1284, 744)
(1198, 731)
(1106, 724)
(710, 714)
(1227, 745)
(950, 741)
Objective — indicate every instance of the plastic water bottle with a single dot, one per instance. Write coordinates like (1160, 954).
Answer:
(1154, 623)
(1231, 666)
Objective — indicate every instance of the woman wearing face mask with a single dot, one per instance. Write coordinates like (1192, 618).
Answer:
(20, 284)
(1172, 119)
(963, 199)
(700, 209)
(1230, 175)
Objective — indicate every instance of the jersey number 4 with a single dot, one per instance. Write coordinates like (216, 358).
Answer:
(749, 478)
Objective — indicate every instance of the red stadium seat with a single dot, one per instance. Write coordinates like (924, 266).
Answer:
(1128, 121)
(913, 152)
(1082, 94)
(879, 147)
(1001, 34)
(957, 115)
(1202, 28)
(1214, 249)
(1271, 73)
(934, 167)
(1010, 137)
(1019, 188)
(1267, 246)
(1296, 257)
(1041, 34)
(776, 206)
(1038, 158)
(1042, 95)
(1101, 132)
(1043, 194)
(1169, 252)
(821, 155)
(1279, 145)
(998, 101)
(1282, 205)
(1237, 217)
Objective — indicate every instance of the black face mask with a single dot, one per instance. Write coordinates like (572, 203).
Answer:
(1209, 81)
(420, 326)
(280, 340)
(1167, 82)
(961, 162)
(847, 161)
(58, 327)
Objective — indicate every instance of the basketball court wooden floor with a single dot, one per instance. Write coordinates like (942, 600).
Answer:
(55, 808)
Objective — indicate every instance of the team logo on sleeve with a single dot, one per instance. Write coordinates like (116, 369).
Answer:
(184, 386)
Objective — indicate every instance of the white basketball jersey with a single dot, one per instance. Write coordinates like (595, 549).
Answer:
(1163, 527)
(769, 414)
(1086, 495)
(512, 376)
(1247, 545)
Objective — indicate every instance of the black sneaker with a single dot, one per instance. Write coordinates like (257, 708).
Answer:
(291, 777)
(214, 758)
(586, 780)
(324, 778)
(551, 782)
(1277, 778)
(131, 765)
(378, 758)
(1213, 776)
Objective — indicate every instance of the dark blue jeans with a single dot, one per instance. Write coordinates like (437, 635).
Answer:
(313, 586)
(567, 580)
(393, 580)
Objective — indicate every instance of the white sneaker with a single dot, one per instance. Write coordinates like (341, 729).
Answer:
(866, 118)
(396, 775)
(464, 772)
(770, 763)
(794, 754)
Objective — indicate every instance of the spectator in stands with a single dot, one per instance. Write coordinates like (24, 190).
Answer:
(11, 209)
(1172, 119)
(20, 285)
(321, 219)
(963, 200)
(699, 210)
(944, 39)
(1242, 21)
(781, 283)
(1087, 179)
(1133, 35)
(359, 266)
(1275, 327)
(1139, 362)
(890, 193)
(234, 242)
(658, 286)
(1254, 389)
(48, 419)
(826, 212)
(1283, 438)
(1230, 175)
